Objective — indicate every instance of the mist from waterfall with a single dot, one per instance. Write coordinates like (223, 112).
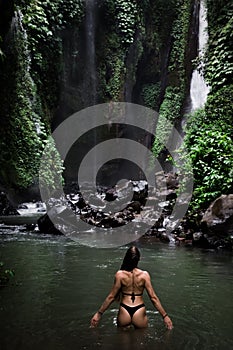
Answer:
(198, 87)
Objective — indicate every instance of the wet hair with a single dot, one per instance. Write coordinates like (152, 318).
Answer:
(131, 259)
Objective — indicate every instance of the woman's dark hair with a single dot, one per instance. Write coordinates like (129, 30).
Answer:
(131, 259)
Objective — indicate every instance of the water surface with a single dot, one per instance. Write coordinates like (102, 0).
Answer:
(59, 285)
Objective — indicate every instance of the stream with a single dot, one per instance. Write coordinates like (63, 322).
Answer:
(59, 284)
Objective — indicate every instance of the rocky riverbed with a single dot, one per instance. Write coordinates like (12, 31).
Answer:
(212, 229)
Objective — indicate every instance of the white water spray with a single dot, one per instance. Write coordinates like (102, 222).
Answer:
(198, 88)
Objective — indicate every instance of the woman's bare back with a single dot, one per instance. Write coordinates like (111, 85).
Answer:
(132, 309)
(129, 284)
(132, 281)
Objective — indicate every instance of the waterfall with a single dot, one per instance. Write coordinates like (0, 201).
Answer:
(91, 79)
(90, 26)
(198, 88)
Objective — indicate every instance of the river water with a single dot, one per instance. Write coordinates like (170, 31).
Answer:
(59, 285)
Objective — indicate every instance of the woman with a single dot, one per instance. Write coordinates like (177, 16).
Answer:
(131, 281)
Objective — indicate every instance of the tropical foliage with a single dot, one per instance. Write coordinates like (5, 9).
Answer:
(209, 133)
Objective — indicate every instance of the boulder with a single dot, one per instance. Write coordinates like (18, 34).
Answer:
(6, 208)
(172, 181)
(110, 195)
(134, 206)
(218, 218)
(45, 225)
(45, 222)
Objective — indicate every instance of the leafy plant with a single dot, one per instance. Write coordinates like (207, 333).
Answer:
(169, 112)
(218, 62)
(150, 95)
(171, 107)
(22, 129)
(211, 152)
(51, 167)
(209, 131)
(126, 14)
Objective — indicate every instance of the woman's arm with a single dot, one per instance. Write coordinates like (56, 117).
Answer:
(108, 301)
(156, 302)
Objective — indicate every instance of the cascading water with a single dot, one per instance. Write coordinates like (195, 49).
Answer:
(198, 88)
(90, 26)
(90, 34)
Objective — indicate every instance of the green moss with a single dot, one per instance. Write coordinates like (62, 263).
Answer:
(169, 112)
(180, 41)
(32, 64)
(21, 144)
(218, 62)
(126, 17)
(150, 95)
(44, 22)
(51, 168)
(171, 107)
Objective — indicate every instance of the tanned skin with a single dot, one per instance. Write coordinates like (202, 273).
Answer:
(127, 281)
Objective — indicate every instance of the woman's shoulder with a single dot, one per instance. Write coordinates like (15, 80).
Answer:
(120, 273)
(143, 273)
(138, 271)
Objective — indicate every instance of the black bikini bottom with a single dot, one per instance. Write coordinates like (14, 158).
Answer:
(132, 309)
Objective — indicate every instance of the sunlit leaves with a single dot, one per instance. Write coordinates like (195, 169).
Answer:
(126, 19)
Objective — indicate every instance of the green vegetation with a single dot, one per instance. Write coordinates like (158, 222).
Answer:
(141, 54)
(209, 132)
(44, 22)
(51, 168)
(171, 107)
(126, 16)
(21, 143)
(150, 95)
(29, 72)
(211, 151)
(219, 62)
(122, 19)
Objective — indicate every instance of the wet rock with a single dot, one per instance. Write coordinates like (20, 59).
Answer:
(46, 226)
(22, 206)
(6, 208)
(140, 191)
(81, 204)
(134, 207)
(62, 216)
(110, 195)
(221, 243)
(218, 218)
(172, 180)
(171, 195)
(200, 240)
(164, 237)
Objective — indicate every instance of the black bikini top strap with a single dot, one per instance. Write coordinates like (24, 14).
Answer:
(135, 294)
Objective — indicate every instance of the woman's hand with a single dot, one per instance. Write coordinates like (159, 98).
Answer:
(168, 322)
(95, 320)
